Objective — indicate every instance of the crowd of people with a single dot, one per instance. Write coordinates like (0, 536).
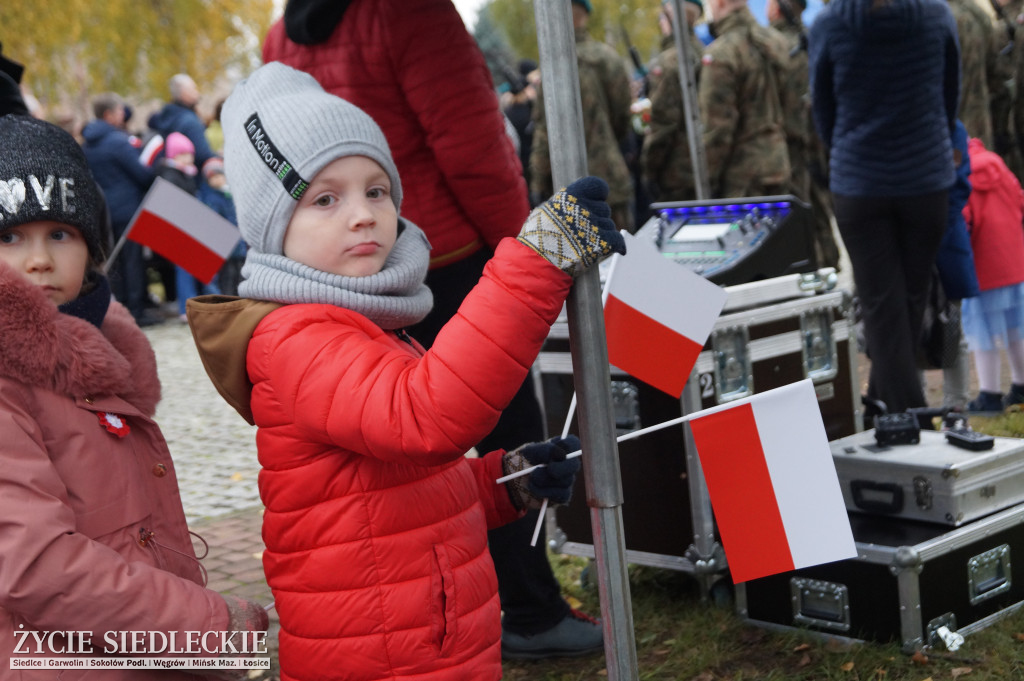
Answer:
(847, 115)
(125, 156)
(404, 254)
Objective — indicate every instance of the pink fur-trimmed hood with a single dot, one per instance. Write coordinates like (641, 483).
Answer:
(42, 347)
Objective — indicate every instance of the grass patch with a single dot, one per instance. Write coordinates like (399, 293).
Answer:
(1010, 424)
(680, 636)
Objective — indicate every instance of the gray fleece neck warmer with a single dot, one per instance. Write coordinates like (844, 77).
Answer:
(393, 298)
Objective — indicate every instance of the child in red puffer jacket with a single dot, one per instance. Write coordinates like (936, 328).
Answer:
(376, 521)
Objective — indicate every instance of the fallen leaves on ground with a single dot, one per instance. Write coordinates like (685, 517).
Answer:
(919, 658)
(837, 645)
(847, 667)
(751, 635)
(960, 671)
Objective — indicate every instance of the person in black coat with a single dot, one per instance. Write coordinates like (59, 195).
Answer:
(115, 164)
(11, 101)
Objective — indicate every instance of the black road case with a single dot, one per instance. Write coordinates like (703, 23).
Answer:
(909, 580)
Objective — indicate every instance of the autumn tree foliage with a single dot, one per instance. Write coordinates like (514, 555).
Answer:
(612, 22)
(73, 49)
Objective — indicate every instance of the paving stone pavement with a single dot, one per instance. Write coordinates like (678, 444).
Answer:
(214, 449)
(214, 452)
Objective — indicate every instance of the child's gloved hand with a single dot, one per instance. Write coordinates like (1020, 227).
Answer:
(244, 616)
(573, 229)
(553, 481)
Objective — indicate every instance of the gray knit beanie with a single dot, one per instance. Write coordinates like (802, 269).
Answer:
(44, 176)
(281, 129)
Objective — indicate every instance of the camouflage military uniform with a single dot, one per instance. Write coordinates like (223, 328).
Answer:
(605, 98)
(797, 118)
(665, 157)
(1003, 99)
(656, 68)
(978, 54)
(742, 108)
(1013, 61)
(806, 148)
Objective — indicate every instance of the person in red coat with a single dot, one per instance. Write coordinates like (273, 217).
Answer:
(376, 521)
(416, 70)
(996, 316)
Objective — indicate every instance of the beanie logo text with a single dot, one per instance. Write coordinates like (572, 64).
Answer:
(12, 193)
(274, 159)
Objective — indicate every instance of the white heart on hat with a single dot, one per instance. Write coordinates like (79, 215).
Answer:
(12, 195)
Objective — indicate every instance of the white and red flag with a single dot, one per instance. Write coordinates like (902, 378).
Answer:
(772, 483)
(657, 316)
(184, 230)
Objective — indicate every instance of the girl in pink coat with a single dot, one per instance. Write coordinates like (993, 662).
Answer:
(93, 536)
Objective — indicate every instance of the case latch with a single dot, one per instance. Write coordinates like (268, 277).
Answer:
(734, 376)
(626, 406)
(818, 345)
(923, 492)
(825, 279)
(942, 630)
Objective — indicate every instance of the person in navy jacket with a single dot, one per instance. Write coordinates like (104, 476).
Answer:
(114, 162)
(885, 80)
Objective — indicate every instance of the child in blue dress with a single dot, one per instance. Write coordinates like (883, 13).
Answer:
(996, 317)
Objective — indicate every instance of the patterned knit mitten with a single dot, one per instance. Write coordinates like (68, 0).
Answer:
(572, 230)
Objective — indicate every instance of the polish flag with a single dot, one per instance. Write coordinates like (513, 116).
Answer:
(151, 150)
(772, 483)
(657, 316)
(184, 230)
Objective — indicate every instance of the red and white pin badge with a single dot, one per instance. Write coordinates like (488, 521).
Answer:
(113, 423)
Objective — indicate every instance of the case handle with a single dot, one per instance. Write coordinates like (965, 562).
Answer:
(989, 574)
(877, 497)
(820, 604)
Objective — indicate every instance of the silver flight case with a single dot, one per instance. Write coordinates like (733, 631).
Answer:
(933, 480)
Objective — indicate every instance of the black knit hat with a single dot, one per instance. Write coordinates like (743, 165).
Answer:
(44, 176)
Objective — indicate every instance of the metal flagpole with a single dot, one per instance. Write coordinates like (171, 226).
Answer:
(124, 235)
(707, 557)
(587, 344)
(688, 82)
